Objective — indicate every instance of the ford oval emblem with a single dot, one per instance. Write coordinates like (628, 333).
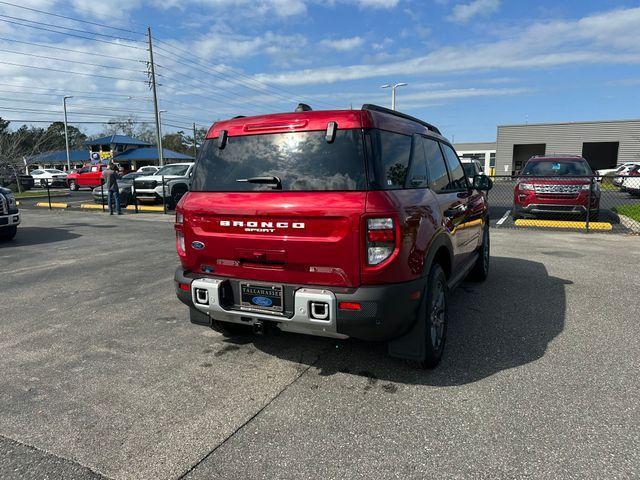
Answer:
(262, 301)
(197, 245)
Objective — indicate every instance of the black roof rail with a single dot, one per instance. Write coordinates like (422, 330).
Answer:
(378, 108)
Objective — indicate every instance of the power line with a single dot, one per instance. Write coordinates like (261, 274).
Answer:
(72, 61)
(93, 54)
(106, 122)
(64, 91)
(72, 34)
(34, 110)
(71, 29)
(71, 18)
(73, 73)
(236, 72)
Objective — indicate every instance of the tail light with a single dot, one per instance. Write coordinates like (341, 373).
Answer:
(381, 240)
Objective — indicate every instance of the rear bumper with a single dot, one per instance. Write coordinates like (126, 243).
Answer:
(387, 311)
(534, 208)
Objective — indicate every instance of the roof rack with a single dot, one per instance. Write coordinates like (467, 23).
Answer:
(377, 108)
(558, 155)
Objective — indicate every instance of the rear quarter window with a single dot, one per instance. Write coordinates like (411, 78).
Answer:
(391, 153)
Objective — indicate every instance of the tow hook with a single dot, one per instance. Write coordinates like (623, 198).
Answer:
(258, 327)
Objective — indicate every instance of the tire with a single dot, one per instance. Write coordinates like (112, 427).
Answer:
(229, 329)
(437, 317)
(176, 194)
(73, 186)
(8, 233)
(480, 270)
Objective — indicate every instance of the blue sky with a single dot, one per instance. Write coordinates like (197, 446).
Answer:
(470, 64)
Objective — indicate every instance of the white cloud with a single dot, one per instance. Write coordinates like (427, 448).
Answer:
(343, 44)
(604, 38)
(377, 3)
(462, 13)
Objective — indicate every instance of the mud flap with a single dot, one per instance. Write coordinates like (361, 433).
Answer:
(411, 346)
(199, 318)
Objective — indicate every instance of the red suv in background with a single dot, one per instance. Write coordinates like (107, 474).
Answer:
(556, 185)
(88, 176)
(344, 223)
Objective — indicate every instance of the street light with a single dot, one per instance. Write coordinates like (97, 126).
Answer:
(393, 92)
(161, 158)
(66, 134)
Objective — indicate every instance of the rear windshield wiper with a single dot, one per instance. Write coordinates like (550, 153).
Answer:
(266, 180)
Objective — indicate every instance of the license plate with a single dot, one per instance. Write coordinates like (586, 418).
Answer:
(261, 297)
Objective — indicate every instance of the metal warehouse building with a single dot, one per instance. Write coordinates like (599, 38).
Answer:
(603, 144)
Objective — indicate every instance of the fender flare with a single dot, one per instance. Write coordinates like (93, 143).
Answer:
(440, 239)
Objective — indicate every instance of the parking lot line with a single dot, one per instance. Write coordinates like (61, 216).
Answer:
(504, 218)
(563, 224)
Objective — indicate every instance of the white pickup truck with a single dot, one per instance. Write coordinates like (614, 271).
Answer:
(175, 176)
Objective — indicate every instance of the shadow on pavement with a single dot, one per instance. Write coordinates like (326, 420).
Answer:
(39, 236)
(503, 323)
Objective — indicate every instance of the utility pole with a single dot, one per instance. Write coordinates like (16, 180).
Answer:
(66, 134)
(155, 99)
(195, 144)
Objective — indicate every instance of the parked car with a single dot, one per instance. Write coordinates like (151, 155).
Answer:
(622, 171)
(290, 225)
(176, 183)
(556, 185)
(125, 186)
(9, 215)
(631, 183)
(51, 176)
(8, 178)
(148, 169)
(88, 176)
(471, 168)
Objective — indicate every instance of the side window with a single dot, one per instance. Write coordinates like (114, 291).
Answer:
(36, 172)
(417, 177)
(438, 177)
(391, 153)
(456, 172)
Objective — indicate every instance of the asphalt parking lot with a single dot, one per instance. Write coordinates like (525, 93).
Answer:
(104, 376)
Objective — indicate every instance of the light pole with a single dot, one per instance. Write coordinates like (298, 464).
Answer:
(393, 92)
(66, 134)
(161, 159)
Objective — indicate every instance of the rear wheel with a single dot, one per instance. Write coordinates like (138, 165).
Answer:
(436, 317)
(480, 270)
(229, 329)
(73, 186)
(8, 233)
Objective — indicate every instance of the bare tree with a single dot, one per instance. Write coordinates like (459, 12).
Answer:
(17, 146)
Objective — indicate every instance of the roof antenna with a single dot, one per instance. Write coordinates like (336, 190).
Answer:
(303, 107)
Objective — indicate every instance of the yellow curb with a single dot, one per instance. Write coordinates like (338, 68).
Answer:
(146, 208)
(53, 205)
(561, 224)
(91, 206)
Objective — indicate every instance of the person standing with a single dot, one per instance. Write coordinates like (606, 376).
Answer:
(110, 176)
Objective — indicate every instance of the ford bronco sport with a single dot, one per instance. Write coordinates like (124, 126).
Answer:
(344, 223)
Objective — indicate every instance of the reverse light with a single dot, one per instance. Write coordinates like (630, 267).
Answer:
(180, 243)
(179, 218)
(381, 238)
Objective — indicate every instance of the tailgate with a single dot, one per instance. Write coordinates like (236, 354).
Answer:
(280, 237)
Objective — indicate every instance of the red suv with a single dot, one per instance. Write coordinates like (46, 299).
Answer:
(344, 223)
(556, 185)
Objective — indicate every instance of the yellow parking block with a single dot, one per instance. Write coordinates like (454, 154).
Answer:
(146, 208)
(53, 205)
(563, 224)
(91, 206)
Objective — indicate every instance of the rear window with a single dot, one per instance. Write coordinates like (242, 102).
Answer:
(554, 168)
(301, 160)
